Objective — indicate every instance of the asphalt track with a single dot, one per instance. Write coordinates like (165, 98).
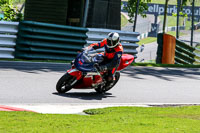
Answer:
(34, 83)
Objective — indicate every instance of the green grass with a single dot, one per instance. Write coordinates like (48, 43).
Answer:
(173, 33)
(173, 2)
(124, 21)
(147, 40)
(171, 21)
(197, 51)
(165, 65)
(107, 120)
(154, 39)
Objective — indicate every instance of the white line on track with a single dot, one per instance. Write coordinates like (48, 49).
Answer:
(78, 108)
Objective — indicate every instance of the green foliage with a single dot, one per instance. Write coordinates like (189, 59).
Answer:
(2, 2)
(185, 119)
(10, 13)
(131, 8)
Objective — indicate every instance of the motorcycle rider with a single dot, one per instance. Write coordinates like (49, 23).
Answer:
(112, 55)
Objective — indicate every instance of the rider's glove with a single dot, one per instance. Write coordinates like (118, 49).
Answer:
(100, 68)
(87, 48)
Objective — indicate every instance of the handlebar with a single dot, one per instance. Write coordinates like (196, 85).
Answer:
(86, 57)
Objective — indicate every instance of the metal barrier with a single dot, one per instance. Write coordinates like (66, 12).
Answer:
(184, 54)
(128, 39)
(49, 41)
(197, 26)
(37, 40)
(8, 31)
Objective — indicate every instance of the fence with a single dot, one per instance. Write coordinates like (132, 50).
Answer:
(128, 39)
(54, 42)
(49, 41)
(8, 31)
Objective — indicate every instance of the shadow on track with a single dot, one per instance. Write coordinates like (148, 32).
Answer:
(34, 67)
(85, 96)
(134, 72)
(162, 73)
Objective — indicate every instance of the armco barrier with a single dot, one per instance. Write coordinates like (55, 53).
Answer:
(8, 31)
(128, 39)
(184, 54)
(49, 41)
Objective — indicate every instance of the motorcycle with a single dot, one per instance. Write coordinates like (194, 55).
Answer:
(85, 74)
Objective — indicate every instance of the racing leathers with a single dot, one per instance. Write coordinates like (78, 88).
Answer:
(112, 57)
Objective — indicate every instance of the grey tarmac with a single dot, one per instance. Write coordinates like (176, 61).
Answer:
(31, 84)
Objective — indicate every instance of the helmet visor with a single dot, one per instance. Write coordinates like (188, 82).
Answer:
(109, 43)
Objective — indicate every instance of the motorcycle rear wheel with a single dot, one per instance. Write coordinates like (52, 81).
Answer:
(64, 83)
(104, 89)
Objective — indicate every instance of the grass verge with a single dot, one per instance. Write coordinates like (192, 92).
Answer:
(173, 33)
(165, 65)
(147, 40)
(172, 21)
(124, 21)
(107, 120)
(154, 39)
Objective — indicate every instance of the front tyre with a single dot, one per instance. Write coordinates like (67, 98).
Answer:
(64, 84)
(103, 89)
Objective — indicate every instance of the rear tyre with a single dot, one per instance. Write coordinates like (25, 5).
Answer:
(64, 84)
(105, 88)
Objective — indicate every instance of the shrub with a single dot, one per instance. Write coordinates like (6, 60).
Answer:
(10, 13)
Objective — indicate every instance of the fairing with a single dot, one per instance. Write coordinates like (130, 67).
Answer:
(126, 60)
(82, 66)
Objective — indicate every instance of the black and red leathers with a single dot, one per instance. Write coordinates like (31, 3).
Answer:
(112, 56)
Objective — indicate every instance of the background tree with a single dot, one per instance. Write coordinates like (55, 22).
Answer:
(184, 2)
(10, 13)
(131, 8)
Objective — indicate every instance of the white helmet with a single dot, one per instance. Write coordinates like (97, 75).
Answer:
(112, 40)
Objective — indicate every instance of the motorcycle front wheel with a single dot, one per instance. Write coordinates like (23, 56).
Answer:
(103, 89)
(64, 84)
